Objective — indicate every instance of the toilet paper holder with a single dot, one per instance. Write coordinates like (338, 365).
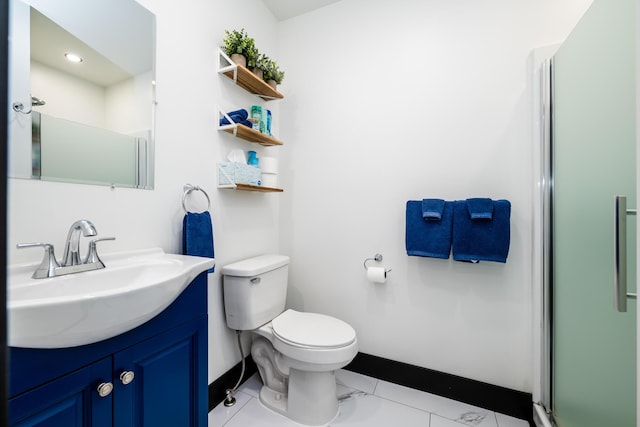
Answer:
(377, 258)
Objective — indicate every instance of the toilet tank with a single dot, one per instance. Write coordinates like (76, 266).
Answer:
(255, 290)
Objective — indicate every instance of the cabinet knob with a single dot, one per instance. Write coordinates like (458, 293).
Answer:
(104, 389)
(126, 377)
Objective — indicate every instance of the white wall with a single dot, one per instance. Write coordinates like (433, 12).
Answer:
(128, 103)
(444, 114)
(67, 96)
(395, 101)
(123, 107)
(187, 149)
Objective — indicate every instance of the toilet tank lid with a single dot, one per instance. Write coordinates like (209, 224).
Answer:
(256, 265)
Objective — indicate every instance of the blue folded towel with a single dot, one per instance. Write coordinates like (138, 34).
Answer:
(432, 208)
(234, 117)
(197, 235)
(428, 238)
(481, 240)
(480, 208)
(237, 116)
(241, 112)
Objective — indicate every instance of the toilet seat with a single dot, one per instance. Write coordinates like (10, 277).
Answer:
(312, 330)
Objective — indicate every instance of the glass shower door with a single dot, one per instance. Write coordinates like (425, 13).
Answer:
(593, 160)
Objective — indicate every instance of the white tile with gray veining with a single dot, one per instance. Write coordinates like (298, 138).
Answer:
(446, 408)
(365, 402)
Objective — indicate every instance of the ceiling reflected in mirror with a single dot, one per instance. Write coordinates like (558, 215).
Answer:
(92, 119)
(51, 44)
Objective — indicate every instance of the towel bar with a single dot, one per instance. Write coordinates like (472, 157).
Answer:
(188, 188)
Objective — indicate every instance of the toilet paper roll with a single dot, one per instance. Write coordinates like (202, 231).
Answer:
(269, 165)
(376, 274)
(269, 180)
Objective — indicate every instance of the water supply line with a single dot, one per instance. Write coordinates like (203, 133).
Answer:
(230, 399)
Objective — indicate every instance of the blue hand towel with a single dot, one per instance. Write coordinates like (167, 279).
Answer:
(237, 116)
(244, 114)
(428, 238)
(197, 235)
(234, 117)
(432, 208)
(480, 208)
(481, 240)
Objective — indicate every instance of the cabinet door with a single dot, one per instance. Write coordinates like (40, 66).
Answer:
(169, 386)
(70, 401)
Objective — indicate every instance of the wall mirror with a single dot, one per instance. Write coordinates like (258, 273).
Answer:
(89, 121)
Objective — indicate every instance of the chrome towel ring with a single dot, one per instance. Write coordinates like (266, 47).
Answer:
(188, 188)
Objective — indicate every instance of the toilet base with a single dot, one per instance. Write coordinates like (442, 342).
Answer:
(311, 398)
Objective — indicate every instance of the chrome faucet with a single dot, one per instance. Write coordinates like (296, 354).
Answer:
(71, 262)
(72, 246)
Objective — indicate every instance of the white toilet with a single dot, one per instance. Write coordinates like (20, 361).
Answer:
(296, 353)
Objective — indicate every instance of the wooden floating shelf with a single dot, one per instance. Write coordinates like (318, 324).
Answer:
(252, 135)
(253, 84)
(247, 187)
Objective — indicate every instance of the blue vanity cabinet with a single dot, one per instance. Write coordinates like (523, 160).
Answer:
(170, 383)
(70, 401)
(158, 372)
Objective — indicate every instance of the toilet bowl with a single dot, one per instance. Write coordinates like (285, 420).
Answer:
(296, 352)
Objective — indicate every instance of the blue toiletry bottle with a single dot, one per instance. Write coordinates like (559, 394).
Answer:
(269, 122)
(253, 160)
(256, 117)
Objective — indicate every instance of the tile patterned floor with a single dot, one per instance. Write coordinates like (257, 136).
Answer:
(366, 402)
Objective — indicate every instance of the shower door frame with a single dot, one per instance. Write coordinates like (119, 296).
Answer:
(542, 295)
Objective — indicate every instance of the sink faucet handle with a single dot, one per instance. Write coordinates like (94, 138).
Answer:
(48, 264)
(92, 255)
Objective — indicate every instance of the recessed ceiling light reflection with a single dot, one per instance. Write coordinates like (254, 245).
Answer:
(72, 57)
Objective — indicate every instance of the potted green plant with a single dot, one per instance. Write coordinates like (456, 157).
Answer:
(272, 73)
(239, 46)
(260, 66)
(252, 56)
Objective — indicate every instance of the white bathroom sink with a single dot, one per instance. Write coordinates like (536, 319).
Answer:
(88, 307)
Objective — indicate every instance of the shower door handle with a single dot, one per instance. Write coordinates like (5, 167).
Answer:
(620, 253)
